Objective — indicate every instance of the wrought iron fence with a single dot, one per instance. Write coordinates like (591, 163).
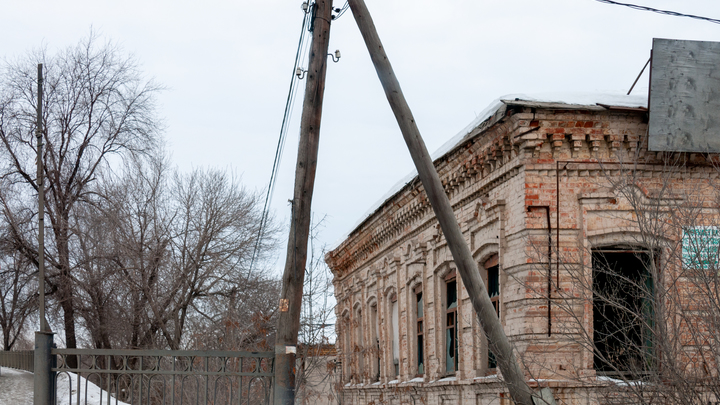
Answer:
(163, 377)
(21, 360)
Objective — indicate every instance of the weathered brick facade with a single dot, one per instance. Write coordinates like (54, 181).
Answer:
(502, 181)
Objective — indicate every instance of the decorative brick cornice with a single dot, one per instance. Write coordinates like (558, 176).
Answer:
(494, 152)
(474, 162)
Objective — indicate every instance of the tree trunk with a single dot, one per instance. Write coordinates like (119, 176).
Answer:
(65, 288)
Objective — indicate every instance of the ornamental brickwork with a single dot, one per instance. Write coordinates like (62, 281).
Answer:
(533, 178)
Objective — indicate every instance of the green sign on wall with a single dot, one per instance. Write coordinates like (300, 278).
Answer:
(700, 246)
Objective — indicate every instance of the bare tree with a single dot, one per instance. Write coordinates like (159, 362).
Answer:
(656, 310)
(18, 291)
(140, 256)
(655, 295)
(162, 259)
(97, 107)
(316, 378)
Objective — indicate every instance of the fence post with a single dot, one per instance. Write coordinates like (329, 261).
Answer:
(44, 382)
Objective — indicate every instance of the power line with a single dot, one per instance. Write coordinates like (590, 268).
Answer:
(655, 10)
(341, 11)
(289, 103)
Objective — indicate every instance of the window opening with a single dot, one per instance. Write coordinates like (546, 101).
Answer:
(623, 312)
(492, 281)
(375, 342)
(451, 347)
(395, 335)
(348, 348)
(419, 316)
(359, 342)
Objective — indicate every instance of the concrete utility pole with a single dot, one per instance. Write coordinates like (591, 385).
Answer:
(466, 266)
(41, 200)
(288, 323)
(43, 392)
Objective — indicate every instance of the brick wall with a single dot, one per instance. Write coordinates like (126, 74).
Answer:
(498, 180)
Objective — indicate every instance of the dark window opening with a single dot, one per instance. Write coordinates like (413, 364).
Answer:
(419, 317)
(359, 346)
(451, 344)
(623, 312)
(375, 341)
(492, 282)
(348, 349)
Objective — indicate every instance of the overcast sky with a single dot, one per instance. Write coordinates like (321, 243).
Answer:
(227, 66)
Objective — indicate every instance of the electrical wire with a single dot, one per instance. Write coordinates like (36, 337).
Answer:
(342, 11)
(655, 10)
(302, 50)
(308, 28)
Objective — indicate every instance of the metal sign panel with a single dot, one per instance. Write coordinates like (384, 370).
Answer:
(685, 96)
(700, 246)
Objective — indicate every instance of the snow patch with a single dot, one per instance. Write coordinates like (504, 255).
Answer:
(16, 387)
(621, 383)
(493, 377)
(11, 372)
(67, 391)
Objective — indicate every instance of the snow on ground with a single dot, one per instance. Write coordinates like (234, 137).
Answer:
(95, 395)
(16, 388)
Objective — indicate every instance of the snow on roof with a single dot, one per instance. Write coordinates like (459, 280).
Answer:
(569, 99)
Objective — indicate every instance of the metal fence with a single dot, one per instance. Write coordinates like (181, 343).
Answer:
(21, 360)
(163, 377)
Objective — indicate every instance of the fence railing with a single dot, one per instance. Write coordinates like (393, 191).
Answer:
(21, 360)
(163, 377)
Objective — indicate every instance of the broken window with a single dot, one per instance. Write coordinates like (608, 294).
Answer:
(622, 311)
(419, 319)
(492, 281)
(451, 304)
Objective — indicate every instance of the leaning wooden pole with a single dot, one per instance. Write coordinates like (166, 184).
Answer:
(499, 343)
(288, 323)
